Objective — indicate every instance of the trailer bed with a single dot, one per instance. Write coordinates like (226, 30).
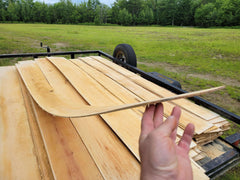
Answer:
(35, 144)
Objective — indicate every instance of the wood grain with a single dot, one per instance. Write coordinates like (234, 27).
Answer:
(67, 153)
(109, 153)
(160, 91)
(186, 116)
(17, 152)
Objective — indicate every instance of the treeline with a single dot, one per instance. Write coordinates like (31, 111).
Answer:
(203, 13)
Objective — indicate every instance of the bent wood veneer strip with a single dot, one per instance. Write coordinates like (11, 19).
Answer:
(58, 105)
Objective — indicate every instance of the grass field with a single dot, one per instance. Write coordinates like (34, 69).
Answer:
(197, 58)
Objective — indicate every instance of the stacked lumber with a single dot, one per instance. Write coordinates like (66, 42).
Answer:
(38, 143)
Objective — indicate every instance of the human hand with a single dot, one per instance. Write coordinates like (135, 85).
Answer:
(161, 157)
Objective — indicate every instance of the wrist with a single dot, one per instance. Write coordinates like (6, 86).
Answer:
(150, 173)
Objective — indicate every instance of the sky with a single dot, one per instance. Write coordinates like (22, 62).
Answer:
(107, 2)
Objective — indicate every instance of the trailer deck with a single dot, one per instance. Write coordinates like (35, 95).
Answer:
(35, 144)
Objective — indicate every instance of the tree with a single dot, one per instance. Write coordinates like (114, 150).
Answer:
(135, 7)
(204, 15)
(145, 17)
(12, 12)
(26, 10)
(184, 16)
(91, 9)
(166, 12)
(39, 12)
(125, 18)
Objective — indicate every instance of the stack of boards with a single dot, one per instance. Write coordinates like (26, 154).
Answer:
(37, 144)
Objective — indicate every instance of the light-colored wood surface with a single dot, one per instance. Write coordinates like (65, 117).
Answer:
(103, 145)
(68, 155)
(96, 95)
(17, 152)
(161, 92)
(41, 154)
(186, 117)
(60, 105)
(64, 67)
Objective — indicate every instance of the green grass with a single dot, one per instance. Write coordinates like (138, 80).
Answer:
(196, 57)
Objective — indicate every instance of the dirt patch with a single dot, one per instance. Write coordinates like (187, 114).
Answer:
(60, 45)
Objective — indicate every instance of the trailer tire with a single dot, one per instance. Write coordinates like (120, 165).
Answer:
(125, 53)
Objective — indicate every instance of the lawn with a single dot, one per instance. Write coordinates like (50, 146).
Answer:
(196, 57)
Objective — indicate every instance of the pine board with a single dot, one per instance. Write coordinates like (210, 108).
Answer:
(41, 154)
(17, 153)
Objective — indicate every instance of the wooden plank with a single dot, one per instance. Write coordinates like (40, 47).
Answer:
(162, 92)
(186, 117)
(68, 156)
(111, 157)
(41, 154)
(17, 153)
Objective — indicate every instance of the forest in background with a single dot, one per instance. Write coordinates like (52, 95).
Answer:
(202, 13)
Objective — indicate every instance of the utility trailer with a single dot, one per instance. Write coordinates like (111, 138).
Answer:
(219, 155)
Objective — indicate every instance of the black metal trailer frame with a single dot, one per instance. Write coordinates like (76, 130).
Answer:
(214, 167)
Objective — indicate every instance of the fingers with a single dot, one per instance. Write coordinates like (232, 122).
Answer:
(187, 137)
(176, 112)
(168, 128)
(158, 115)
(147, 121)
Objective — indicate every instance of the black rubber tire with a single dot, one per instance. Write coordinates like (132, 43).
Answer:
(125, 53)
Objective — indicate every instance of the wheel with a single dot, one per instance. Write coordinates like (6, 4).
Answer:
(125, 53)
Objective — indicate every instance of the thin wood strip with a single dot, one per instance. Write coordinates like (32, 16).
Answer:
(110, 155)
(162, 92)
(186, 117)
(17, 153)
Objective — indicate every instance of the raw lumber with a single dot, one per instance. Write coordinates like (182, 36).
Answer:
(41, 154)
(110, 155)
(17, 153)
(186, 117)
(59, 105)
(160, 91)
(75, 76)
(126, 124)
(116, 89)
(66, 151)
